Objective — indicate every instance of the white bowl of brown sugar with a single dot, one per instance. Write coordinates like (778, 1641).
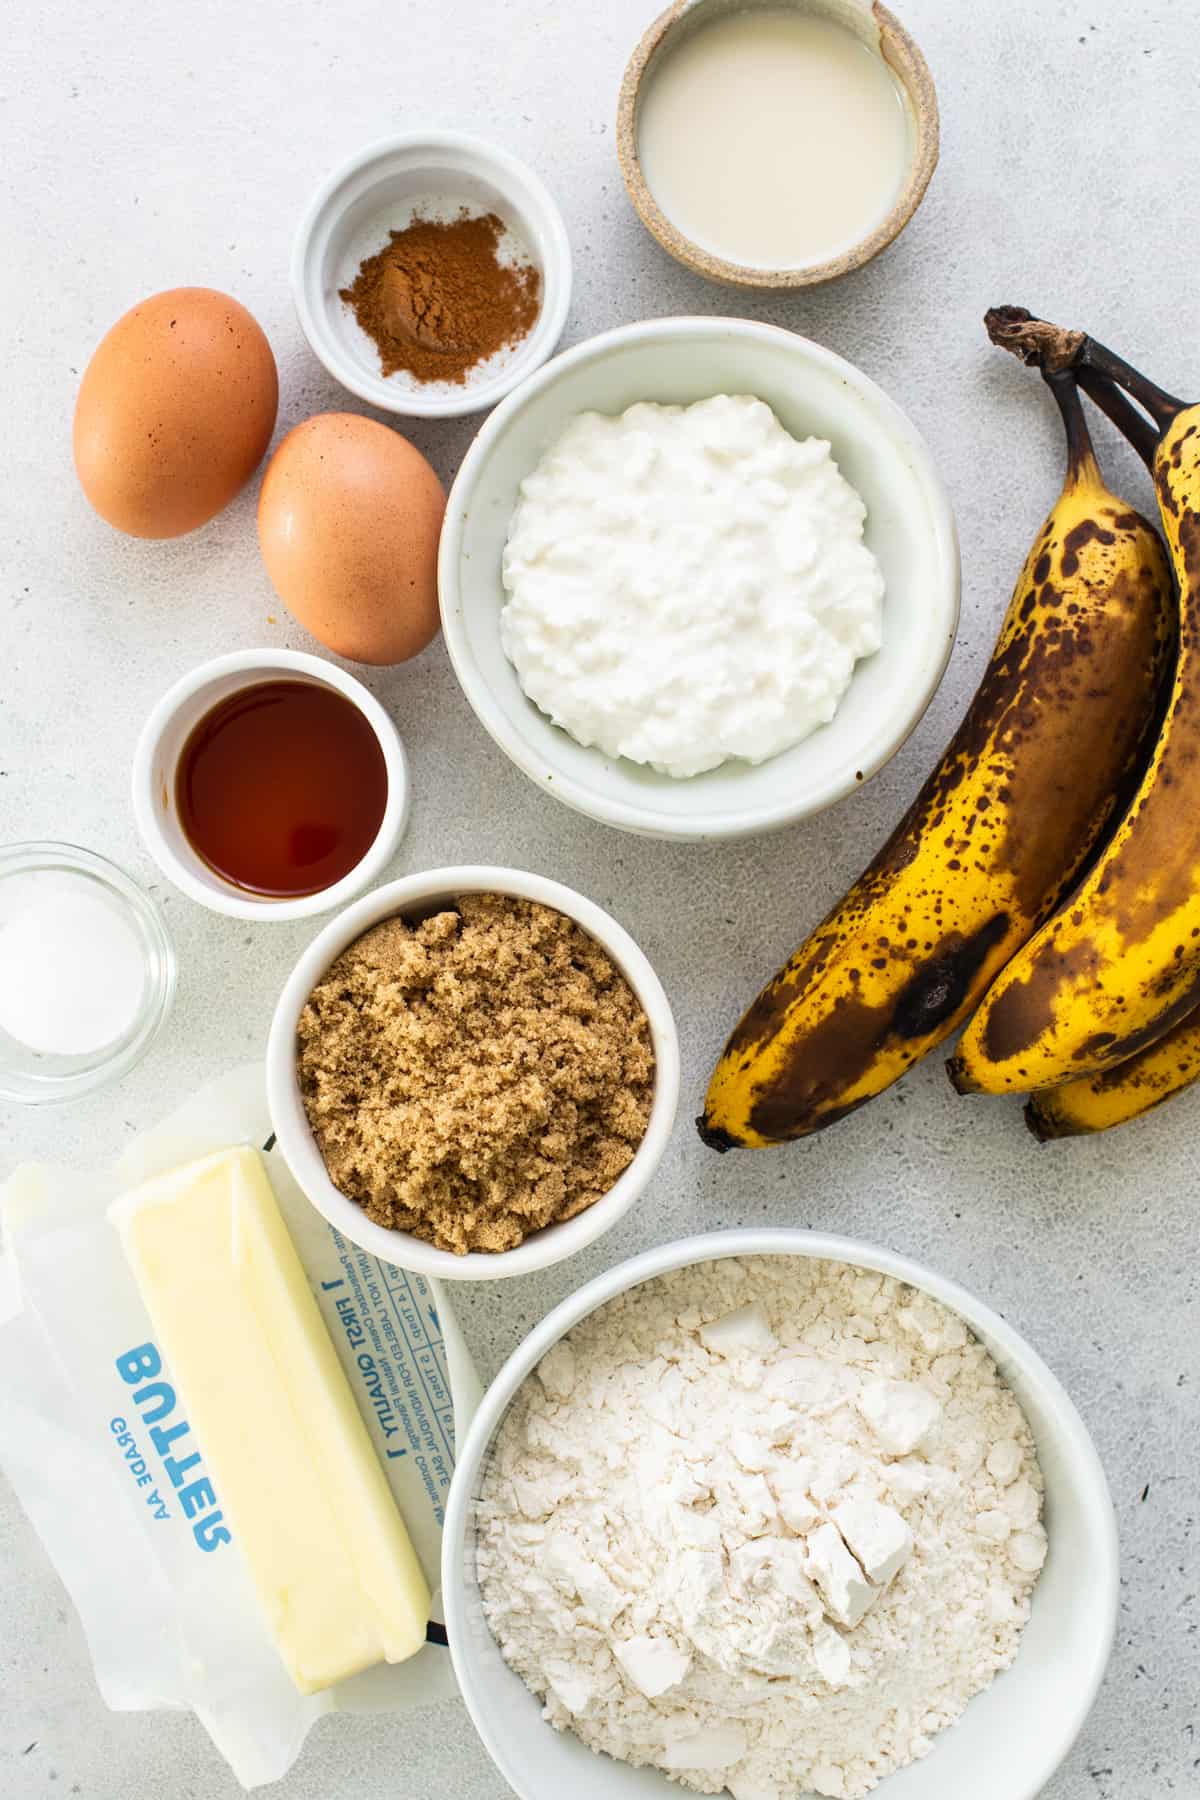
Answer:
(473, 1072)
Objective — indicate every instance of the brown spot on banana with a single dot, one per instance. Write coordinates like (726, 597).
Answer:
(842, 1046)
(1022, 1012)
(1087, 531)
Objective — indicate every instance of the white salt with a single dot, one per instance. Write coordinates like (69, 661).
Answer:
(72, 973)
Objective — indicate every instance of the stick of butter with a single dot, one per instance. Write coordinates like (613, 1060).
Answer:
(282, 1439)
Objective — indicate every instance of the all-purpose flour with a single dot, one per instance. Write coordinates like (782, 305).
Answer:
(767, 1525)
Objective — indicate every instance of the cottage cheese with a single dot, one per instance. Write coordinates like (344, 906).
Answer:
(766, 1525)
(688, 584)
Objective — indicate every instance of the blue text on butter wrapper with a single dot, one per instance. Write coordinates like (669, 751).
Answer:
(367, 1368)
(155, 1399)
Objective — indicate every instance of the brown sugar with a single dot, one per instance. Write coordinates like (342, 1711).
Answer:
(478, 1075)
(436, 299)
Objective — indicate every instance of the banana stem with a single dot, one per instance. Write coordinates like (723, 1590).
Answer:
(1038, 343)
(1081, 457)
(1054, 350)
(1161, 406)
(1134, 426)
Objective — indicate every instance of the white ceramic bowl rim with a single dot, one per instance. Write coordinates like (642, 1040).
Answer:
(257, 666)
(555, 1242)
(510, 175)
(740, 821)
(780, 1241)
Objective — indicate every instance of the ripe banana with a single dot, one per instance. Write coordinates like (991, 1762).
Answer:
(1116, 1095)
(993, 840)
(1119, 965)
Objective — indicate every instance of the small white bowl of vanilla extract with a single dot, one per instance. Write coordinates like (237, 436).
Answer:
(268, 784)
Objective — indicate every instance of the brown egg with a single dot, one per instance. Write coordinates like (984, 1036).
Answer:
(175, 412)
(349, 519)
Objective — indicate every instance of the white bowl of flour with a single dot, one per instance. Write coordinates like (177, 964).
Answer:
(770, 1525)
(908, 532)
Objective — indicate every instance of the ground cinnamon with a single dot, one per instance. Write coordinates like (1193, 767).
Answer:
(437, 300)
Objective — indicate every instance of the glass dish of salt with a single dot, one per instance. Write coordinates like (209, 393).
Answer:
(87, 972)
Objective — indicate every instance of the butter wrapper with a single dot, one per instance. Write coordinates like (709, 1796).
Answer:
(168, 1623)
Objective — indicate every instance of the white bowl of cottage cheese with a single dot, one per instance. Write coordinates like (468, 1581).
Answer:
(699, 577)
(774, 1514)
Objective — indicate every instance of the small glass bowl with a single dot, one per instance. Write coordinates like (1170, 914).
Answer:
(33, 1077)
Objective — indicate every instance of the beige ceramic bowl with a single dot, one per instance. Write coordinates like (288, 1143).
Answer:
(884, 34)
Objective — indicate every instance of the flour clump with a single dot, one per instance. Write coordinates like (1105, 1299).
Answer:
(765, 1524)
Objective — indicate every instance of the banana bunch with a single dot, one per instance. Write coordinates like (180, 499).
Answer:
(1020, 800)
(1117, 968)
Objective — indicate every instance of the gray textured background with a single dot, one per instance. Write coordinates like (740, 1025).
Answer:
(144, 146)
